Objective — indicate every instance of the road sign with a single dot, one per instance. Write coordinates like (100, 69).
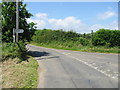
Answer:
(19, 30)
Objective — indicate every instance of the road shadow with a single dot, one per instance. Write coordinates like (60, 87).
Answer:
(49, 57)
(37, 53)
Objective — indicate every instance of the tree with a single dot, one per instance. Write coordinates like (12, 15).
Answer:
(0, 23)
(107, 37)
(9, 22)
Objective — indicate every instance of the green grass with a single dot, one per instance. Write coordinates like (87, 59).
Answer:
(77, 47)
(14, 50)
(21, 75)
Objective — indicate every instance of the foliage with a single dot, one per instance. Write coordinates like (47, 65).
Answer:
(105, 37)
(14, 50)
(83, 41)
(9, 22)
(102, 40)
(50, 36)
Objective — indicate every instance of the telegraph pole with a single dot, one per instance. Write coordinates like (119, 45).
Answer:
(17, 30)
(91, 37)
(17, 18)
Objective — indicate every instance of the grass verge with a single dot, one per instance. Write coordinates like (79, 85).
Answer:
(21, 75)
(99, 49)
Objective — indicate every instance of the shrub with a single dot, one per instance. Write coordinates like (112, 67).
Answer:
(106, 37)
(14, 50)
(83, 41)
(103, 37)
(47, 35)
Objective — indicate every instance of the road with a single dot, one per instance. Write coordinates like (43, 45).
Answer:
(74, 69)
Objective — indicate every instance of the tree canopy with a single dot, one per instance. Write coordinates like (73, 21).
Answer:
(9, 22)
(107, 37)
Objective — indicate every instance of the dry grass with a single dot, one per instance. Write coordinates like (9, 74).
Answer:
(21, 75)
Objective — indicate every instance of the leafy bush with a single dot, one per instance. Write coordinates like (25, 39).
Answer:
(14, 50)
(72, 40)
(48, 36)
(106, 37)
(83, 41)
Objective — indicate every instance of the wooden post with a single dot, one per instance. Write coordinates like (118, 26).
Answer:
(17, 18)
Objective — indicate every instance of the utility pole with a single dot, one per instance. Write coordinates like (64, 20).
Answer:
(17, 30)
(91, 37)
(17, 18)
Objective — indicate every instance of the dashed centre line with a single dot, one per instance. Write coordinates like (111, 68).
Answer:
(115, 76)
(91, 65)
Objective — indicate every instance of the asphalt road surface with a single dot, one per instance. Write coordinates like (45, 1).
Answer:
(74, 69)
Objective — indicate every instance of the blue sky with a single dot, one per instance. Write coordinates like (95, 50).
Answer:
(77, 16)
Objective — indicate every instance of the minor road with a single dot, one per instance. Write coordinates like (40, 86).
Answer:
(74, 69)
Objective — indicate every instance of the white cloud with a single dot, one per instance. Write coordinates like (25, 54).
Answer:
(41, 15)
(68, 23)
(40, 23)
(113, 26)
(40, 20)
(96, 27)
(106, 15)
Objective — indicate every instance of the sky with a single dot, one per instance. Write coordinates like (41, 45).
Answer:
(81, 17)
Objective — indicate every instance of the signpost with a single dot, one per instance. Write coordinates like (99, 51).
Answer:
(17, 30)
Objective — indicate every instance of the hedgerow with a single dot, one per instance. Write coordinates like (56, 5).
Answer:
(14, 50)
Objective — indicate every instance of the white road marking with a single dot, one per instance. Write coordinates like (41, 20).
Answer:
(115, 76)
(91, 65)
